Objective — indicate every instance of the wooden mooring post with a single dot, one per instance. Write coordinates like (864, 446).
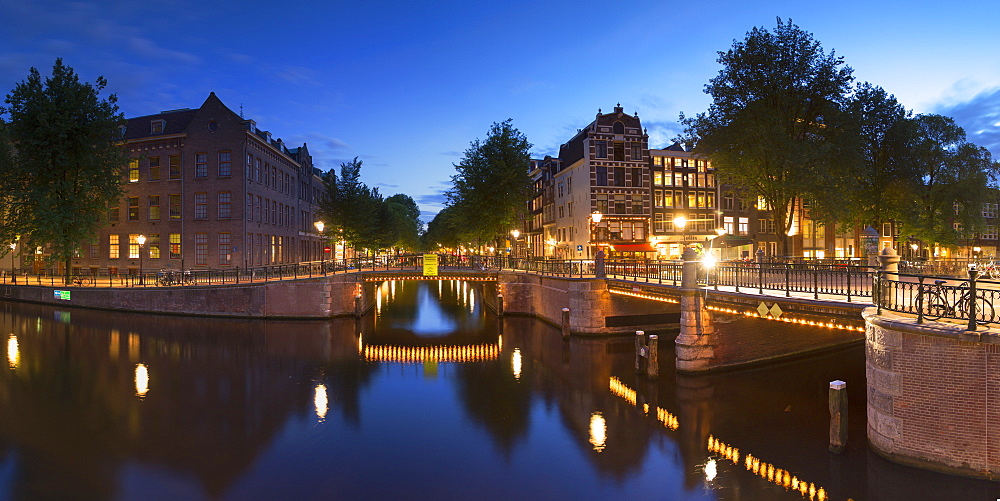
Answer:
(565, 323)
(838, 416)
(499, 305)
(647, 359)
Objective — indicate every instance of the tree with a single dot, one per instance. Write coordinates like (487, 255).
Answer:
(774, 125)
(401, 222)
(491, 185)
(67, 164)
(953, 182)
(350, 207)
(878, 164)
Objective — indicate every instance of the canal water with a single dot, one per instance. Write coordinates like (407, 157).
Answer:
(430, 396)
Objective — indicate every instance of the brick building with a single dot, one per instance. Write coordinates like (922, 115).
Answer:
(208, 190)
(604, 169)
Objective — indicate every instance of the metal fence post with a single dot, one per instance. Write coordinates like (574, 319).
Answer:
(972, 298)
(788, 289)
(920, 300)
(848, 283)
(815, 282)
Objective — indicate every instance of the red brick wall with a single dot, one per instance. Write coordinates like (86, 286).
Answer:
(933, 394)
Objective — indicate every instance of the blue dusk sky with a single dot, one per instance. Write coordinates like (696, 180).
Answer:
(406, 86)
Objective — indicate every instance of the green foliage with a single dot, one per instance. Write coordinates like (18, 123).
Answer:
(66, 165)
(774, 126)
(490, 189)
(877, 165)
(952, 184)
(358, 214)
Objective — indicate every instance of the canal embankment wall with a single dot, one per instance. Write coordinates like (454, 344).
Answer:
(933, 390)
(593, 309)
(318, 297)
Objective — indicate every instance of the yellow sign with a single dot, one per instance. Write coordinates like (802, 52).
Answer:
(430, 265)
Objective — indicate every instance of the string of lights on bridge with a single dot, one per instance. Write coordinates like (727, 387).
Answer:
(750, 314)
(767, 471)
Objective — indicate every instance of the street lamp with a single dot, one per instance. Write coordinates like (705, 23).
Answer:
(322, 257)
(141, 239)
(514, 233)
(595, 218)
(13, 245)
(681, 222)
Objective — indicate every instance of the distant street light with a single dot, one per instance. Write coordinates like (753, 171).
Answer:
(322, 257)
(142, 242)
(13, 245)
(595, 218)
(681, 222)
(514, 233)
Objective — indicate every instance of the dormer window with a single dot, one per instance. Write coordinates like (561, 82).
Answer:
(157, 126)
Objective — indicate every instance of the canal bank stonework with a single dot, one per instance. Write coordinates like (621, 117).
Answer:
(320, 297)
(933, 394)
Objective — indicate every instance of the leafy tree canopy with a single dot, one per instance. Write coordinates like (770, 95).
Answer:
(491, 185)
(63, 164)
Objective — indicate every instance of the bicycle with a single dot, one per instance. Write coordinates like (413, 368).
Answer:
(989, 270)
(82, 281)
(937, 304)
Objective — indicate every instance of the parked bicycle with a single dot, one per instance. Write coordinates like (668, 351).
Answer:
(82, 281)
(989, 270)
(938, 305)
(168, 278)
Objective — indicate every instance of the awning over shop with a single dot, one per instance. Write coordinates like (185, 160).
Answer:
(643, 247)
(728, 240)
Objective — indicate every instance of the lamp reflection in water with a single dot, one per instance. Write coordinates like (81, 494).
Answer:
(321, 401)
(515, 363)
(598, 431)
(711, 470)
(141, 380)
(13, 352)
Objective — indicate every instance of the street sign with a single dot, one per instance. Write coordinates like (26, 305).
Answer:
(326, 249)
(579, 248)
(430, 265)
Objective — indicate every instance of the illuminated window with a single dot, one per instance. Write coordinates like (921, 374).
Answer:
(744, 226)
(153, 242)
(113, 246)
(133, 246)
(133, 170)
(175, 245)
(657, 179)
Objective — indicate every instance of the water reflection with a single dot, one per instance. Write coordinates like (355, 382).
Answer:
(119, 406)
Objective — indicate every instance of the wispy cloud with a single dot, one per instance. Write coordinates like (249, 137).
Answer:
(980, 117)
(147, 48)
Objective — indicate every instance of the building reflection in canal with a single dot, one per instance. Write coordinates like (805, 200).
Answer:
(428, 396)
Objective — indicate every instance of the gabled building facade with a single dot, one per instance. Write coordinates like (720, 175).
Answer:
(208, 190)
(603, 170)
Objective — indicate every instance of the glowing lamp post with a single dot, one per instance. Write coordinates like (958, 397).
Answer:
(514, 233)
(322, 258)
(13, 245)
(595, 219)
(681, 222)
(141, 239)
